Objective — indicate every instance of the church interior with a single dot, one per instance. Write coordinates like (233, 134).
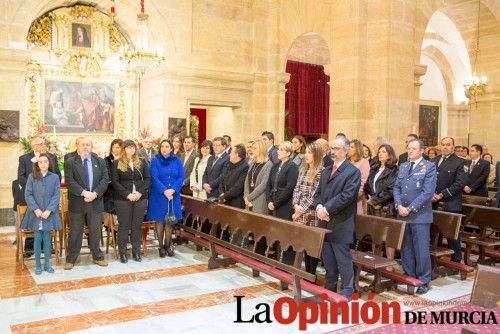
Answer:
(202, 69)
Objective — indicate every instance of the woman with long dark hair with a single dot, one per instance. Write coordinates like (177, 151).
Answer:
(131, 181)
(299, 148)
(200, 164)
(307, 183)
(115, 151)
(167, 176)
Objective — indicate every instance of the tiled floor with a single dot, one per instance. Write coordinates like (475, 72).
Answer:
(174, 295)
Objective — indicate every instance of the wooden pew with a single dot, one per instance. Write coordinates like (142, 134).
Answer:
(447, 225)
(487, 220)
(478, 200)
(381, 231)
(225, 230)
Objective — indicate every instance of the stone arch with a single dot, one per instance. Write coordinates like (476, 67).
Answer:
(310, 48)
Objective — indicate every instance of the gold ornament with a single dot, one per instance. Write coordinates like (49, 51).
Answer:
(39, 33)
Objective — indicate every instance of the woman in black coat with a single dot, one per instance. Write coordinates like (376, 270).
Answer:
(131, 181)
(380, 184)
(232, 186)
(282, 180)
(115, 150)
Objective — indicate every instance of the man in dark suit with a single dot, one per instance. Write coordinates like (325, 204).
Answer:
(478, 171)
(215, 168)
(335, 202)
(24, 169)
(272, 150)
(327, 156)
(187, 158)
(147, 152)
(451, 180)
(232, 186)
(86, 179)
(413, 193)
(228, 143)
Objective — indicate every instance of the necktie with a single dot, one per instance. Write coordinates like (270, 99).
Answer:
(411, 167)
(472, 165)
(86, 173)
(334, 170)
(215, 161)
(443, 159)
(149, 154)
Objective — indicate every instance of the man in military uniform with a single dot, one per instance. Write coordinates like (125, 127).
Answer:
(413, 193)
(451, 179)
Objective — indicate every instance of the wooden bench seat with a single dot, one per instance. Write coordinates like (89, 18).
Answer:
(487, 219)
(383, 232)
(225, 231)
(447, 225)
(478, 200)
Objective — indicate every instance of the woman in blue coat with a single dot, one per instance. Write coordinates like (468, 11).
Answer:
(167, 176)
(42, 197)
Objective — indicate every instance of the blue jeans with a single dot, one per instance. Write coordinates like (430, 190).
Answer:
(45, 236)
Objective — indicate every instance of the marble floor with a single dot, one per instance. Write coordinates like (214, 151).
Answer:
(174, 295)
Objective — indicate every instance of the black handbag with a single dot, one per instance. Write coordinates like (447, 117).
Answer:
(170, 216)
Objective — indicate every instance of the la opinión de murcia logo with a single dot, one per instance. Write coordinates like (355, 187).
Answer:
(287, 310)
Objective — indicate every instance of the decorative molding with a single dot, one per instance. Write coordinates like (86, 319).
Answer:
(83, 64)
(82, 12)
(418, 71)
(40, 32)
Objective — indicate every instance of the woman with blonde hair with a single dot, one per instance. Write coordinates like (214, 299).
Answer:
(131, 181)
(355, 156)
(256, 180)
(307, 183)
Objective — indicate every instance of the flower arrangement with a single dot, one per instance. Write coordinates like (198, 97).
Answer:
(145, 133)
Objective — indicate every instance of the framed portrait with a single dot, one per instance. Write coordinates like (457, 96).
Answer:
(176, 126)
(81, 35)
(79, 107)
(9, 125)
(428, 122)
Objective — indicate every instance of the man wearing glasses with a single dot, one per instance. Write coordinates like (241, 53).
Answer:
(335, 203)
(147, 152)
(25, 168)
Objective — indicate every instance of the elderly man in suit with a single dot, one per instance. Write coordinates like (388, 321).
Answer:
(188, 157)
(214, 173)
(87, 180)
(147, 152)
(451, 180)
(478, 171)
(25, 168)
(413, 193)
(335, 202)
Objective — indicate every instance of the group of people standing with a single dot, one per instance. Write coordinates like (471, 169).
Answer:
(317, 184)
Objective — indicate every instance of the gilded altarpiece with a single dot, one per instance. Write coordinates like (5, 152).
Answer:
(75, 81)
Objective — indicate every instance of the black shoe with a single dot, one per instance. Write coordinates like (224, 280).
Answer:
(162, 252)
(170, 252)
(123, 258)
(27, 254)
(423, 289)
(137, 257)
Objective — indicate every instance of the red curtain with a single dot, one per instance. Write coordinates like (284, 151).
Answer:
(307, 99)
(202, 117)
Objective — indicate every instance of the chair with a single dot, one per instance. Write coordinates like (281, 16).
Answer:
(21, 211)
(112, 228)
(64, 214)
(146, 227)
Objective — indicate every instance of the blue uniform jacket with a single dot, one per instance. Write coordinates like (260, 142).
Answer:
(415, 191)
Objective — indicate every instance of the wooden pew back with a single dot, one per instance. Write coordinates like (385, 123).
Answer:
(482, 217)
(445, 223)
(381, 230)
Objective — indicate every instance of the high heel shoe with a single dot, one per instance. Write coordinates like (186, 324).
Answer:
(38, 271)
(170, 252)
(49, 269)
(123, 258)
(162, 252)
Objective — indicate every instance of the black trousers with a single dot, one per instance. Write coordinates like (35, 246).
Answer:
(455, 245)
(76, 223)
(130, 218)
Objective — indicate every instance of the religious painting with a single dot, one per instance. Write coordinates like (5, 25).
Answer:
(176, 126)
(9, 125)
(79, 107)
(80, 35)
(428, 122)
